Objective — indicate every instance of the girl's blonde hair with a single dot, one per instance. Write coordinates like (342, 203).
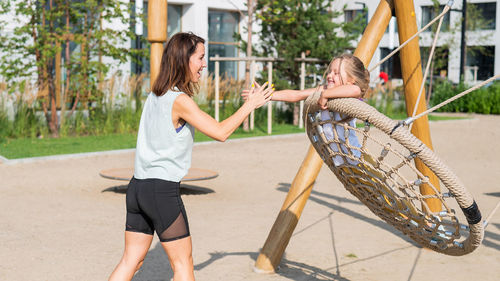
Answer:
(355, 69)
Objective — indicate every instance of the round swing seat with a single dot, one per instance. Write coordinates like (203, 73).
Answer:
(376, 164)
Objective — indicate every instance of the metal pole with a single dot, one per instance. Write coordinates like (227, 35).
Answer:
(270, 103)
(463, 44)
(216, 99)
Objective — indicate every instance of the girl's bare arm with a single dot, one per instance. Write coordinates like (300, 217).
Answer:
(292, 95)
(343, 91)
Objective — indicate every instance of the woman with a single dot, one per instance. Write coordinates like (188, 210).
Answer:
(163, 157)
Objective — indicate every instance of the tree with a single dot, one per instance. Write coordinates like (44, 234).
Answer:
(41, 27)
(294, 26)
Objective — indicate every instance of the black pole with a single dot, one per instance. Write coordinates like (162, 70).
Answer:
(463, 54)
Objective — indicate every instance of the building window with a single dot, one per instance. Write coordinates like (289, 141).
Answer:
(222, 25)
(352, 15)
(439, 61)
(481, 16)
(430, 12)
(174, 14)
(480, 62)
(392, 66)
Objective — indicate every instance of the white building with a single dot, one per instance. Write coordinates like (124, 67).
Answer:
(218, 20)
(479, 66)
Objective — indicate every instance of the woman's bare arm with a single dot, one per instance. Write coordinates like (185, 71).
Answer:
(185, 108)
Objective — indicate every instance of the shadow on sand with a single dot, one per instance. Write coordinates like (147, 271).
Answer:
(491, 238)
(319, 197)
(156, 267)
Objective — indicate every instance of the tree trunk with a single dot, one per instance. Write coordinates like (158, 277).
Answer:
(66, 65)
(53, 126)
(53, 122)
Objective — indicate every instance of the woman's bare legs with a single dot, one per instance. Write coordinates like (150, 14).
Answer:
(181, 260)
(136, 247)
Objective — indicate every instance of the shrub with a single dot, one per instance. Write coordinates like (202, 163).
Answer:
(485, 100)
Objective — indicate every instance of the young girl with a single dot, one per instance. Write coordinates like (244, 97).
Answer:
(163, 157)
(346, 77)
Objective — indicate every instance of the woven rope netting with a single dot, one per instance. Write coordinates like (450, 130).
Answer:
(376, 164)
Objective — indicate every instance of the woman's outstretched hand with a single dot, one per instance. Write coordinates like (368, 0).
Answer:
(258, 95)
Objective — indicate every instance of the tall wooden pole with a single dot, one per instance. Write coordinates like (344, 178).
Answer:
(217, 85)
(299, 192)
(157, 34)
(412, 78)
(248, 82)
(270, 103)
(302, 87)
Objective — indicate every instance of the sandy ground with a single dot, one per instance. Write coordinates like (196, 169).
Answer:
(60, 220)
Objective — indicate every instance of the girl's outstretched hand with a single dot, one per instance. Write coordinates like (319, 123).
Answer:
(322, 101)
(244, 94)
(258, 95)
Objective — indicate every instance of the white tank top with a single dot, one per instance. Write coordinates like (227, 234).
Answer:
(162, 152)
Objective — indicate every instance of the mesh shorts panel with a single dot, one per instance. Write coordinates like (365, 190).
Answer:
(178, 229)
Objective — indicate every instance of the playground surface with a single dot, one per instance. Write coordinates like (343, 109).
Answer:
(61, 221)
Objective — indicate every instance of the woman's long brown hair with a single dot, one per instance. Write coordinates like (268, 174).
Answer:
(174, 67)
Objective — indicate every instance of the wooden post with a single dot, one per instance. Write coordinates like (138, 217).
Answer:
(297, 196)
(302, 87)
(157, 34)
(411, 70)
(253, 71)
(270, 103)
(216, 99)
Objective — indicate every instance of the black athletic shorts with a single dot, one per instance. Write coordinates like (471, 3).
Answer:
(155, 204)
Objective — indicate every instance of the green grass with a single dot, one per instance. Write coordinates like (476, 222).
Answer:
(432, 117)
(31, 147)
(444, 118)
